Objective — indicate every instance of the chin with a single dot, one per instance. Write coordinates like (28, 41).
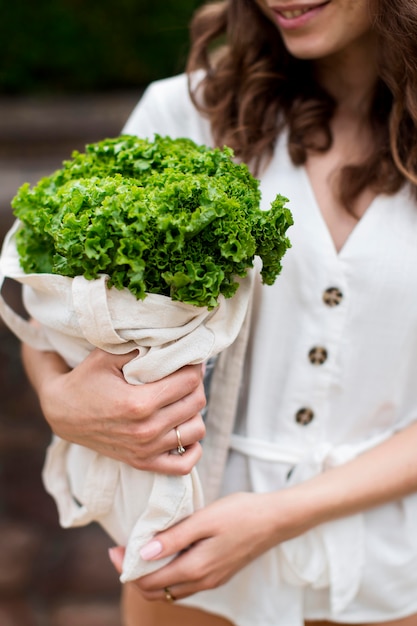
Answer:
(307, 50)
(306, 55)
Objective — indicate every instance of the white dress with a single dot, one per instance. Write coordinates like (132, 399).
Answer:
(331, 371)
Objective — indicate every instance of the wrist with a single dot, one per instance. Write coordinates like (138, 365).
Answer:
(294, 511)
(41, 366)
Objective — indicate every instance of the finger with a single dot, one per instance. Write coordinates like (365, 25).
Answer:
(173, 464)
(176, 389)
(100, 360)
(184, 434)
(154, 424)
(171, 593)
(181, 579)
(159, 453)
(116, 361)
(173, 541)
(116, 556)
(158, 432)
(153, 408)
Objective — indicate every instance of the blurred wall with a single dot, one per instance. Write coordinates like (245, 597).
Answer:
(70, 73)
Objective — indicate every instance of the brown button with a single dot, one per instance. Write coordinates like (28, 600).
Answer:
(332, 296)
(304, 416)
(317, 355)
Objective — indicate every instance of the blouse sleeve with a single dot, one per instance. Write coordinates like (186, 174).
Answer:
(165, 108)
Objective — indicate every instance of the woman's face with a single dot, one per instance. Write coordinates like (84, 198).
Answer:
(313, 29)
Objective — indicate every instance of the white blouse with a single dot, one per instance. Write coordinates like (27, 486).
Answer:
(330, 372)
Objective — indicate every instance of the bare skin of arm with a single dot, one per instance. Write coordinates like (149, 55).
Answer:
(223, 537)
(94, 406)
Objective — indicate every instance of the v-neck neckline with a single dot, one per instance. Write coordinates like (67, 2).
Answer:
(357, 229)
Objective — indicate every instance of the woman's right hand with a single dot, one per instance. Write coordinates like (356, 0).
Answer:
(93, 406)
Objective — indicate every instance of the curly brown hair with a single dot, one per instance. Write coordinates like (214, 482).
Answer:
(252, 88)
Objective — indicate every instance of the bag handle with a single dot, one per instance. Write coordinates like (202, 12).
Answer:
(24, 330)
(90, 300)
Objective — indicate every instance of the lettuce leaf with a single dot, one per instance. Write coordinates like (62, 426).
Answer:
(166, 216)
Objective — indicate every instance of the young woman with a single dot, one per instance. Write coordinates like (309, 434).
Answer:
(309, 463)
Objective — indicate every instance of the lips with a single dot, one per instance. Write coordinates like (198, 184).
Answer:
(297, 15)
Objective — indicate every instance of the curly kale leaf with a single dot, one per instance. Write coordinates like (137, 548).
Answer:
(165, 216)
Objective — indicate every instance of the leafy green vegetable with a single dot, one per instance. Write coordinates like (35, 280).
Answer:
(164, 216)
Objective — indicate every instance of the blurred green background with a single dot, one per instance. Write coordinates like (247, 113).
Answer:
(67, 46)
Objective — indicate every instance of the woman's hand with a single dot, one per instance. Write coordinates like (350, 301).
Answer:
(216, 542)
(92, 405)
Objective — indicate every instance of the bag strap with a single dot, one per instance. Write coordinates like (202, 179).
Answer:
(90, 300)
(24, 330)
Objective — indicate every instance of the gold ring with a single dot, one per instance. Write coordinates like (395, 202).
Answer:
(169, 597)
(180, 447)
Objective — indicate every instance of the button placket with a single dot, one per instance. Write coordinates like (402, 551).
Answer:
(316, 407)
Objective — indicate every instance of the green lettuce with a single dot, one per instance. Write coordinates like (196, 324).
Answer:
(165, 216)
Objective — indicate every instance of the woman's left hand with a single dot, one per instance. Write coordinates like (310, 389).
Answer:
(212, 545)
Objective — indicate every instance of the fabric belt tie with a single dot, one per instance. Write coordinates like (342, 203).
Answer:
(332, 554)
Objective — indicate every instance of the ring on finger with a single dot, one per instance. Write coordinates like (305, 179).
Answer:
(169, 596)
(180, 447)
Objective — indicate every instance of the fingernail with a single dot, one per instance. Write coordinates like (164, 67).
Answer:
(152, 549)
